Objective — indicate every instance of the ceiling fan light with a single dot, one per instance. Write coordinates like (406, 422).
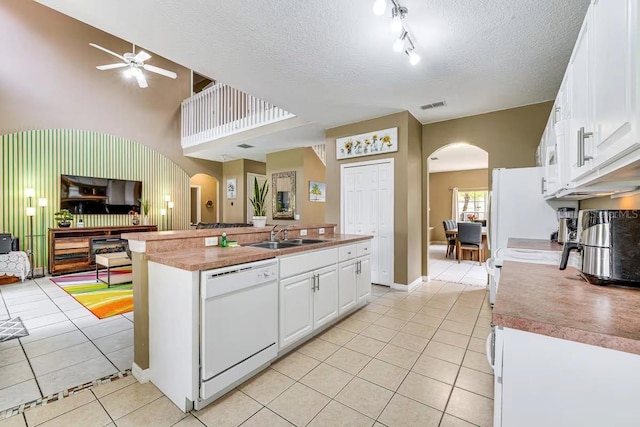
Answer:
(127, 73)
(379, 7)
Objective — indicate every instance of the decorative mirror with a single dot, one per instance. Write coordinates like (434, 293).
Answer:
(284, 195)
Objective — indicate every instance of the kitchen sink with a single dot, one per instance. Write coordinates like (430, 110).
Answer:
(275, 245)
(304, 241)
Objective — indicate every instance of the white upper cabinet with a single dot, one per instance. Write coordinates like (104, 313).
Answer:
(579, 150)
(615, 54)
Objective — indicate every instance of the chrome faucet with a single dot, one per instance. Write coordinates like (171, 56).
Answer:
(274, 233)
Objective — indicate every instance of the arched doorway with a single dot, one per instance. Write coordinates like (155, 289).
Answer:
(204, 199)
(458, 191)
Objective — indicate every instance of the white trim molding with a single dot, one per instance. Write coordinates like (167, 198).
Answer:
(139, 246)
(408, 288)
(142, 375)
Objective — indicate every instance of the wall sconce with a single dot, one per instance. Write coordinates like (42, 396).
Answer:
(209, 203)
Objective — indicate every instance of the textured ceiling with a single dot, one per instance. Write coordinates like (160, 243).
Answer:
(331, 62)
(457, 157)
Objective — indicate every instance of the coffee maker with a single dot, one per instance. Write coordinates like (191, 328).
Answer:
(567, 224)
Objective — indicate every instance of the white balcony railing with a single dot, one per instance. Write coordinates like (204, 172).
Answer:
(221, 111)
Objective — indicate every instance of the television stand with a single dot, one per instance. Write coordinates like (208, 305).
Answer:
(70, 249)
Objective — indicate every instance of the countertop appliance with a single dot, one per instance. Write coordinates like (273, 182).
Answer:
(239, 324)
(567, 224)
(609, 243)
(518, 210)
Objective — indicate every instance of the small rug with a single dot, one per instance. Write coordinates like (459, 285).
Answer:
(12, 328)
(99, 299)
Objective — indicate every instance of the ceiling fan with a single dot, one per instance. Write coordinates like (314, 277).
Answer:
(134, 64)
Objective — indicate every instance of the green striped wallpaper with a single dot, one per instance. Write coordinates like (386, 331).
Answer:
(35, 159)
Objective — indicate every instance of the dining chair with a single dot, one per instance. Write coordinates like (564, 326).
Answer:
(449, 224)
(470, 239)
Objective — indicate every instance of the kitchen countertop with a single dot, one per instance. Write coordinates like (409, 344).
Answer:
(535, 244)
(205, 232)
(217, 257)
(544, 300)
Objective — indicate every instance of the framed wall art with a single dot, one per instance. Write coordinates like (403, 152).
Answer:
(232, 188)
(367, 144)
(317, 191)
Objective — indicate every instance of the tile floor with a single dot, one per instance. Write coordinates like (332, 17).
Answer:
(66, 347)
(406, 359)
(448, 270)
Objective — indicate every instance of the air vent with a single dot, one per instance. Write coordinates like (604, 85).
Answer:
(434, 105)
(245, 146)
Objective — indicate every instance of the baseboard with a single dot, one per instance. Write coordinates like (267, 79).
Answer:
(142, 375)
(426, 278)
(407, 288)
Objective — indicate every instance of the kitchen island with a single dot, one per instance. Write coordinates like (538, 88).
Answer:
(566, 352)
(218, 316)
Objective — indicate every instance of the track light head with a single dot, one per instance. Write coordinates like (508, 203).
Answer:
(397, 15)
(414, 58)
(379, 7)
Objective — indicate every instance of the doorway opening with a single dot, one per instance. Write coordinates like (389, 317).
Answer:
(205, 205)
(458, 192)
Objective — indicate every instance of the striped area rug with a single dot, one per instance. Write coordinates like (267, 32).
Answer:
(96, 296)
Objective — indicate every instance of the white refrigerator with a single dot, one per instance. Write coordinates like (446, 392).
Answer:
(519, 210)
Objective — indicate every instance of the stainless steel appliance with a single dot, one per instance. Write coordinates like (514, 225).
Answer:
(566, 224)
(609, 241)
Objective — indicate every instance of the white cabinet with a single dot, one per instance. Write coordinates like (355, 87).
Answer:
(363, 279)
(615, 54)
(347, 282)
(580, 101)
(296, 308)
(325, 296)
(546, 381)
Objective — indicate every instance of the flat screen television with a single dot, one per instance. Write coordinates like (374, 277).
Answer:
(86, 195)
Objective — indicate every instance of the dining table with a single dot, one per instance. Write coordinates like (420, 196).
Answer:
(454, 231)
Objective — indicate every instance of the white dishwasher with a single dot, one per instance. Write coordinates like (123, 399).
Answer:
(238, 325)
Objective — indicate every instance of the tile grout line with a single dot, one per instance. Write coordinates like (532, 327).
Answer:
(102, 406)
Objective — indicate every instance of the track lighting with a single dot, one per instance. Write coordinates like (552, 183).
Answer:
(379, 7)
(414, 58)
(397, 15)
(404, 41)
(398, 46)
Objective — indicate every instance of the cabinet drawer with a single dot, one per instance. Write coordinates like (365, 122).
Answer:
(308, 261)
(71, 243)
(347, 252)
(364, 248)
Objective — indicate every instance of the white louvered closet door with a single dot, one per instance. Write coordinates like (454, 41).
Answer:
(367, 200)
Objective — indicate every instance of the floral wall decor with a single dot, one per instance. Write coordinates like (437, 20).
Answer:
(367, 144)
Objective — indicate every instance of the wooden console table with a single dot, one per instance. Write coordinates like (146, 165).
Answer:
(70, 248)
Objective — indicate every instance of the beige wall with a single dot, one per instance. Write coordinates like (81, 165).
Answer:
(308, 167)
(509, 136)
(208, 191)
(235, 210)
(407, 183)
(51, 82)
(440, 185)
(628, 202)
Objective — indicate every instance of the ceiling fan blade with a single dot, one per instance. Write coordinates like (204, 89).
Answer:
(111, 66)
(142, 82)
(142, 56)
(107, 50)
(159, 70)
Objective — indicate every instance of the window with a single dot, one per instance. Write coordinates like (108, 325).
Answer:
(472, 205)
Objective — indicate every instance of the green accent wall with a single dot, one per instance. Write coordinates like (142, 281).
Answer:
(37, 158)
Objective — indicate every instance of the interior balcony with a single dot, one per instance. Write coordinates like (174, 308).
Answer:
(221, 114)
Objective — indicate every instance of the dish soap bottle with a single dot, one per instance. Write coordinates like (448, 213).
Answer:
(223, 240)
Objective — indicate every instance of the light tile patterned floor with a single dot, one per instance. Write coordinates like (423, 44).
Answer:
(448, 270)
(406, 359)
(67, 345)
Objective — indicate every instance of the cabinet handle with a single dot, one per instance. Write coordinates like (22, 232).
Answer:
(555, 116)
(318, 281)
(542, 186)
(582, 135)
(313, 288)
(490, 350)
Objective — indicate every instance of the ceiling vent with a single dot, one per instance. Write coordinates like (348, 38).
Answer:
(245, 146)
(434, 105)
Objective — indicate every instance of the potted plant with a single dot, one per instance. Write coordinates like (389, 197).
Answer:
(64, 217)
(258, 201)
(145, 211)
